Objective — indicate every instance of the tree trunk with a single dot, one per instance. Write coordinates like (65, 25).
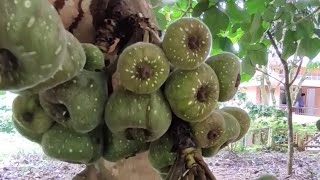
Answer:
(112, 25)
(289, 117)
(263, 90)
(271, 89)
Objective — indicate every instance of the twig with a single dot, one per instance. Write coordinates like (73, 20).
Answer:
(296, 75)
(312, 13)
(188, 8)
(276, 47)
(257, 69)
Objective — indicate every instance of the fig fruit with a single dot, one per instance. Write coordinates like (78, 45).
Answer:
(117, 148)
(143, 68)
(232, 132)
(29, 114)
(267, 177)
(67, 145)
(94, 57)
(192, 94)
(208, 132)
(144, 117)
(187, 43)
(243, 118)
(78, 103)
(227, 67)
(74, 61)
(160, 156)
(32, 43)
(318, 124)
(31, 136)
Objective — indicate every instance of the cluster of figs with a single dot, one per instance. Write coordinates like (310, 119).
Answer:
(62, 98)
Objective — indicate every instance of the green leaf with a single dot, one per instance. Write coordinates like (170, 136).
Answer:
(161, 19)
(245, 77)
(256, 30)
(289, 44)
(254, 6)
(200, 8)
(235, 13)
(278, 3)
(216, 20)
(305, 3)
(279, 30)
(258, 54)
(305, 28)
(222, 44)
(309, 47)
(269, 13)
(247, 68)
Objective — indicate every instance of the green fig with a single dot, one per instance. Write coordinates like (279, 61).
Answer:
(29, 114)
(74, 61)
(117, 148)
(227, 67)
(232, 132)
(143, 68)
(267, 177)
(187, 43)
(243, 118)
(94, 56)
(32, 43)
(78, 103)
(318, 124)
(143, 117)
(160, 156)
(192, 94)
(31, 136)
(208, 132)
(67, 145)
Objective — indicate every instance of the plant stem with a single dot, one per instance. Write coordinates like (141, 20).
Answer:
(289, 104)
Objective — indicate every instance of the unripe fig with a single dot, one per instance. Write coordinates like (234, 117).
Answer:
(143, 117)
(74, 61)
(117, 148)
(192, 94)
(32, 43)
(31, 136)
(143, 68)
(78, 103)
(227, 67)
(243, 118)
(94, 57)
(29, 114)
(232, 132)
(187, 43)
(208, 132)
(67, 145)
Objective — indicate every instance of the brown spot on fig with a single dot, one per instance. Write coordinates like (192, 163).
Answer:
(27, 116)
(8, 61)
(238, 81)
(144, 71)
(203, 93)
(193, 42)
(212, 135)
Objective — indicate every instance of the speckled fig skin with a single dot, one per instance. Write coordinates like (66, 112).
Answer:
(94, 57)
(143, 117)
(243, 118)
(117, 148)
(31, 136)
(143, 68)
(192, 94)
(78, 103)
(187, 43)
(29, 114)
(208, 132)
(67, 145)
(227, 67)
(231, 133)
(74, 61)
(160, 156)
(32, 36)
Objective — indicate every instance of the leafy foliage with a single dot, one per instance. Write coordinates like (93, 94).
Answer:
(293, 24)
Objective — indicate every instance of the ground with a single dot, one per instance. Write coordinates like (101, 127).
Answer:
(22, 159)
